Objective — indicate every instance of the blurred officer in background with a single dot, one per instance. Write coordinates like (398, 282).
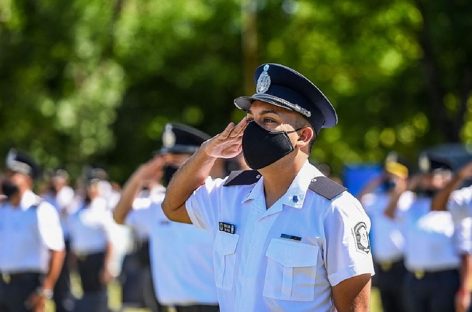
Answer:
(61, 196)
(287, 238)
(90, 234)
(31, 244)
(137, 266)
(431, 254)
(181, 255)
(387, 237)
(457, 198)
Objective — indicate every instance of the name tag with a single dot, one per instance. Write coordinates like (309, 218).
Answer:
(227, 227)
(292, 237)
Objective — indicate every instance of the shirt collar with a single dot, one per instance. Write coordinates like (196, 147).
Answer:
(296, 193)
(28, 199)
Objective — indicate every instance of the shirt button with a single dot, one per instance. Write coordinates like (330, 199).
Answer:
(295, 198)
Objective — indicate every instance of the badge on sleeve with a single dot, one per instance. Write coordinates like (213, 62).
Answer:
(362, 237)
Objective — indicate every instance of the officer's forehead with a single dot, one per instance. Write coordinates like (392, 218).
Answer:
(259, 107)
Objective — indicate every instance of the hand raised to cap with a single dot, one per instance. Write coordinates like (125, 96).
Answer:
(227, 144)
(466, 171)
(414, 181)
(151, 170)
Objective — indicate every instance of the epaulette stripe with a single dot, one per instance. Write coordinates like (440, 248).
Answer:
(246, 177)
(326, 187)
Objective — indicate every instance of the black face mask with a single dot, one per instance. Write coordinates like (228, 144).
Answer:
(168, 173)
(9, 188)
(388, 185)
(428, 192)
(262, 147)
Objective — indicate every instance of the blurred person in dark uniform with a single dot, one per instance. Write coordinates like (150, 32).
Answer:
(31, 245)
(181, 257)
(387, 238)
(61, 196)
(90, 234)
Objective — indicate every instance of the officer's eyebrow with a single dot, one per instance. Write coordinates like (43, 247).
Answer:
(265, 111)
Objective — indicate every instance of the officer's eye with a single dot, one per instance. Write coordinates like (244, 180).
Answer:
(267, 120)
(249, 119)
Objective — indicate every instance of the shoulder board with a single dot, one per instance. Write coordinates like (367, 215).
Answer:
(326, 187)
(246, 177)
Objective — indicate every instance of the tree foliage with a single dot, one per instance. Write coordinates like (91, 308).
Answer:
(95, 81)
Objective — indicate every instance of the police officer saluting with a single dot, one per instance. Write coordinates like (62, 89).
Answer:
(31, 245)
(286, 237)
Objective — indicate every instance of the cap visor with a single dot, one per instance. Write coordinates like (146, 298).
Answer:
(244, 102)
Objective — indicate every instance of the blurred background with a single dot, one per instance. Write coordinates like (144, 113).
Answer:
(94, 81)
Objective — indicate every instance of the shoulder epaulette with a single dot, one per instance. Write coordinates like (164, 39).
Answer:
(326, 187)
(240, 177)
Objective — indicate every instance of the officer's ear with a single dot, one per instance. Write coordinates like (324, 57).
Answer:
(305, 136)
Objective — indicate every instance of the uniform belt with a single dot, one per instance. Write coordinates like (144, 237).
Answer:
(388, 265)
(16, 276)
(420, 274)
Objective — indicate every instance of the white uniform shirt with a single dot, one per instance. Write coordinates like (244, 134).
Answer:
(91, 227)
(27, 233)
(460, 203)
(387, 237)
(430, 238)
(181, 257)
(62, 201)
(258, 270)
(464, 235)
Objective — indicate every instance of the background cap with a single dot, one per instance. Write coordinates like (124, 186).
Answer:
(396, 165)
(284, 87)
(428, 163)
(20, 162)
(181, 139)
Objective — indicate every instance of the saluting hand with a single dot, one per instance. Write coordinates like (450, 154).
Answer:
(151, 170)
(227, 144)
(466, 171)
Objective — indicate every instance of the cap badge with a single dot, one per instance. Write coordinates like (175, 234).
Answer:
(424, 163)
(168, 138)
(263, 82)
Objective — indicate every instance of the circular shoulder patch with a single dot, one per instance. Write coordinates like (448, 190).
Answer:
(361, 236)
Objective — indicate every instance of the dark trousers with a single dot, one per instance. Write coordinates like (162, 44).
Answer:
(198, 308)
(16, 289)
(94, 297)
(431, 291)
(389, 279)
(136, 280)
(63, 299)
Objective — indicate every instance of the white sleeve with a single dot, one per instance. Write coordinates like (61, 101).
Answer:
(109, 226)
(49, 227)
(460, 203)
(463, 236)
(347, 247)
(202, 205)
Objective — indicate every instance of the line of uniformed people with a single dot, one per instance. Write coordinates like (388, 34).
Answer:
(421, 248)
(421, 237)
(161, 265)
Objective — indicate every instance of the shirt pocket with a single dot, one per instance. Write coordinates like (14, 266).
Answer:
(225, 259)
(291, 270)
